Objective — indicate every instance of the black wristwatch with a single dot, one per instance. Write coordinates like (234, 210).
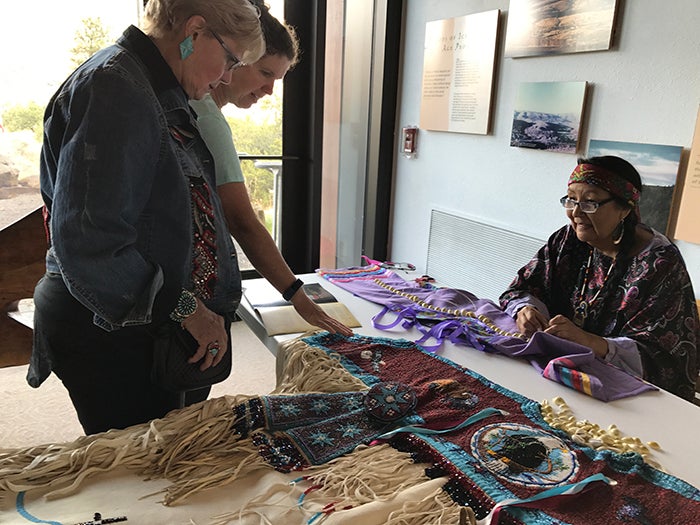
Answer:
(186, 306)
(289, 292)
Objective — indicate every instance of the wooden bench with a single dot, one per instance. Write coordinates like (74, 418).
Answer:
(22, 263)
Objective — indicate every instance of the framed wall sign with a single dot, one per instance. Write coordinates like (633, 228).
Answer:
(688, 220)
(458, 66)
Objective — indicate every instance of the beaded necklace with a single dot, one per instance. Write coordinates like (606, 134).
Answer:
(581, 309)
(450, 311)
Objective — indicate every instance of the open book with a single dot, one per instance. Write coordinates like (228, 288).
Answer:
(279, 316)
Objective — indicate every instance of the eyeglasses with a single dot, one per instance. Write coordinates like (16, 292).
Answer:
(584, 206)
(232, 61)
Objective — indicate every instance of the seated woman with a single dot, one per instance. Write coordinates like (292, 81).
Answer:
(611, 283)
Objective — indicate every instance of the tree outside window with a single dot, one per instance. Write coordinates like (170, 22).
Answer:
(72, 31)
(31, 70)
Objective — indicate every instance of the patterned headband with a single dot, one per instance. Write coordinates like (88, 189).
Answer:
(609, 181)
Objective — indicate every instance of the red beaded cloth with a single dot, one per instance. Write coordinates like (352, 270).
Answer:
(516, 456)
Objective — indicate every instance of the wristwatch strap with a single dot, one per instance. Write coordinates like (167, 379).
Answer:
(289, 292)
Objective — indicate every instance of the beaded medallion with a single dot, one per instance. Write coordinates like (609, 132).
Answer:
(524, 455)
(387, 402)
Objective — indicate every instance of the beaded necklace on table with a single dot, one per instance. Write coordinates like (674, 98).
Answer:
(450, 311)
(582, 307)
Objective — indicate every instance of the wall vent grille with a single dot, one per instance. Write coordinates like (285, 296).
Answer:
(473, 256)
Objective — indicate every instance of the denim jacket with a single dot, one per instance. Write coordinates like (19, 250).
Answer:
(121, 146)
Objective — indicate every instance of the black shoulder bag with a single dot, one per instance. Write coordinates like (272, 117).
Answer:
(173, 347)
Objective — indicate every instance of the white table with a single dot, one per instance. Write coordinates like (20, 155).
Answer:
(653, 416)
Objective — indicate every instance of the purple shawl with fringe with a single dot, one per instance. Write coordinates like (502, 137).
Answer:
(463, 319)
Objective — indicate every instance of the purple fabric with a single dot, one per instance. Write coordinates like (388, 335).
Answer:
(441, 315)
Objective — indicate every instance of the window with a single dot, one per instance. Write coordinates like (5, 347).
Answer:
(70, 32)
(36, 57)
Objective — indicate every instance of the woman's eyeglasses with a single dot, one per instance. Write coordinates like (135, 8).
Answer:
(232, 61)
(584, 206)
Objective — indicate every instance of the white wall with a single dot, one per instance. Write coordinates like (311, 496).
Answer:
(646, 89)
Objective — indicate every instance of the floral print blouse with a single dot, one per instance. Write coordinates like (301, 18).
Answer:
(647, 299)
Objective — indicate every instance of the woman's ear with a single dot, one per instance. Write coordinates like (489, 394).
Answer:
(195, 24)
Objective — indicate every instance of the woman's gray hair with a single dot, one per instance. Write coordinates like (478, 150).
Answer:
(237, 19)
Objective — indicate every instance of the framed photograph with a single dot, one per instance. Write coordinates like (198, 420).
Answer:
(553, 27)
(658, 167)
(547, 116)
(458, 66)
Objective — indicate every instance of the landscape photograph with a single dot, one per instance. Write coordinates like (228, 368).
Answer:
(550, 27)
(657, 165)
(547, 116)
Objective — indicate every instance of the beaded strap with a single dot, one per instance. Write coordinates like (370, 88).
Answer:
(204, 256)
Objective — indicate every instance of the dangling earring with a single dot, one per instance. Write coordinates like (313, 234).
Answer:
(186, 47)
(621, 227)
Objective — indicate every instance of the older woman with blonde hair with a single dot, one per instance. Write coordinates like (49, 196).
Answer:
(138, 249)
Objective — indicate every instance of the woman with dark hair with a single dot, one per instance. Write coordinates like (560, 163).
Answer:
(608, 282)
(249, 84)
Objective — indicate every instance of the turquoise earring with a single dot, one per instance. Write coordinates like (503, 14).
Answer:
(186, 47)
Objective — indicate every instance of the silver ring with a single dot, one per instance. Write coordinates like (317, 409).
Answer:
(213, 348)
